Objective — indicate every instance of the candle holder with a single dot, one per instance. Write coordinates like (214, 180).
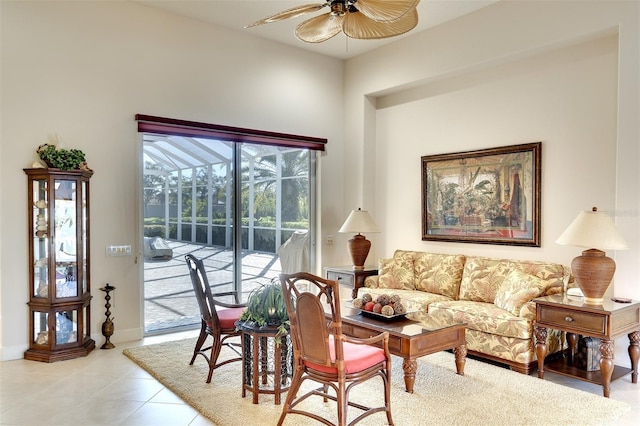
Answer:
(107, 325)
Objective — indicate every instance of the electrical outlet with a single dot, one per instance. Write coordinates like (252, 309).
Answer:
(123, 250)
(329, 240)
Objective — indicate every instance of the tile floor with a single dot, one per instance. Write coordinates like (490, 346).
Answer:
(106, 388)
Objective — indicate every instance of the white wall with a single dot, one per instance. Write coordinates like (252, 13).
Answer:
(564, 73)
(82, 70)
(566, 99)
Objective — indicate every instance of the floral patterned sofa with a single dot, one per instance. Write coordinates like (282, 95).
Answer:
(493, 296)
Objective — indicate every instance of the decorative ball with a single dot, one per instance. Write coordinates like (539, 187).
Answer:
(394, 298)
(377, 308)
(366, 297)
(399, 308)
(358, 303)
(383, 299)
(387, 310)
(369, 306)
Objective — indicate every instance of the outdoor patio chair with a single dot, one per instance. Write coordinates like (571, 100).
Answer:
(217, 323)
(323, 354)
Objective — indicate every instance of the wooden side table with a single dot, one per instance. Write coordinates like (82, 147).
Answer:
(346, 275)
(606, 322)
(267, 367)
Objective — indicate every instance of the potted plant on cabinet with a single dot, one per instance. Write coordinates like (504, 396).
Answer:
(63, 159)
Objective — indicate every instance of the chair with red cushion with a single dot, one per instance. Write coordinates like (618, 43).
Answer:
(217, 323)
(323, 354)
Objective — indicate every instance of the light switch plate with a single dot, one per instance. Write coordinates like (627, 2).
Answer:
(122, 250)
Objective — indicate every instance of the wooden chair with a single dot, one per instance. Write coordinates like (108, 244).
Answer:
(219, 324)
(324, 355)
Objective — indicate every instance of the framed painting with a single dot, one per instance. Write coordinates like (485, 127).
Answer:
(489, 196)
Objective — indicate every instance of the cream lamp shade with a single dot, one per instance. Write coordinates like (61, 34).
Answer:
(593, 270)
(359, 221)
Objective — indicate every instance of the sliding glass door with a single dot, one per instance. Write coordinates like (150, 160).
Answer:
(235, 205)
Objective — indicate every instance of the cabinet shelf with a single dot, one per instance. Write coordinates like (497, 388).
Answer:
(563, 367)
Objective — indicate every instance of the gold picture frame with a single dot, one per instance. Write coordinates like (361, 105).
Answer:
(488, 196)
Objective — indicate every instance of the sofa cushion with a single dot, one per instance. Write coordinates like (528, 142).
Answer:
(482, 276)
(517, 289)
(397, 272)
(438, 273)
(484, 317)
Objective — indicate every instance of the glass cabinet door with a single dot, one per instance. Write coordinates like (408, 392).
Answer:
(40, 323)
(65, 242)
(66, 327)
(40, 218)
(85, 244)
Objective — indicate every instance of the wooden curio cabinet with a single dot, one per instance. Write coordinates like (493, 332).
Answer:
(59, 285)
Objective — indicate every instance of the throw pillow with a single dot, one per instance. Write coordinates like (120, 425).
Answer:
(517, 289)
(385, 274)
(481, 278)
(397, 272)
(439, 273)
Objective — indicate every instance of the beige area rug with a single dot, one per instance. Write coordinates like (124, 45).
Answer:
(485, 395)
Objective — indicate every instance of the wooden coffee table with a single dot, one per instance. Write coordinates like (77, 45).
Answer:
(410, 339)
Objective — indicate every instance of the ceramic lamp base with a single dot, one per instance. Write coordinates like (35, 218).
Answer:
(593, 271)
(359, 249)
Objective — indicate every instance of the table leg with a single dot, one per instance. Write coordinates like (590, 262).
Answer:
(606, 365)
(409, 366)
(572, 339)
(541, 348)
(264, 359)
(634, 354)
(461, 358)
(277, 358)
(245, 364)
(256, 368)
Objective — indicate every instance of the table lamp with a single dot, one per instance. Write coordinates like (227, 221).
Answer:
(593, 270)
(359, 221)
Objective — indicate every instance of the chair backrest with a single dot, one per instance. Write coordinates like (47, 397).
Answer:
(201, 287)
(309, 300)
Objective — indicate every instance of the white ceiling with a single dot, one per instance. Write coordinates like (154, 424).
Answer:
(235, 14)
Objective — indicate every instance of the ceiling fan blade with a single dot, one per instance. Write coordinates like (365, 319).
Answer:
(358, 25)
(320, 28)
(385, 10)
(290, 13)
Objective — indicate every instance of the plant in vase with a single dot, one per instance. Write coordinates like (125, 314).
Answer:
(73, 159)
(266, 306)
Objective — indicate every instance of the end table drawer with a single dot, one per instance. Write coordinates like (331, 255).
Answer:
(344, 279)
(574, 320)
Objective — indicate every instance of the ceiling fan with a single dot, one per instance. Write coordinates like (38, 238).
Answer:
(361, 19)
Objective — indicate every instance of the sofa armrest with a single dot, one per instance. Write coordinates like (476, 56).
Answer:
(371, 281)
(528, 311)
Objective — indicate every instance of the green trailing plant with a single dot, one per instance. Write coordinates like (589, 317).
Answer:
(266, 306)
(62, 159)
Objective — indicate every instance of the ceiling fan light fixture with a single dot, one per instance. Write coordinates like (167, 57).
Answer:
(359, 19)
(338, 7)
